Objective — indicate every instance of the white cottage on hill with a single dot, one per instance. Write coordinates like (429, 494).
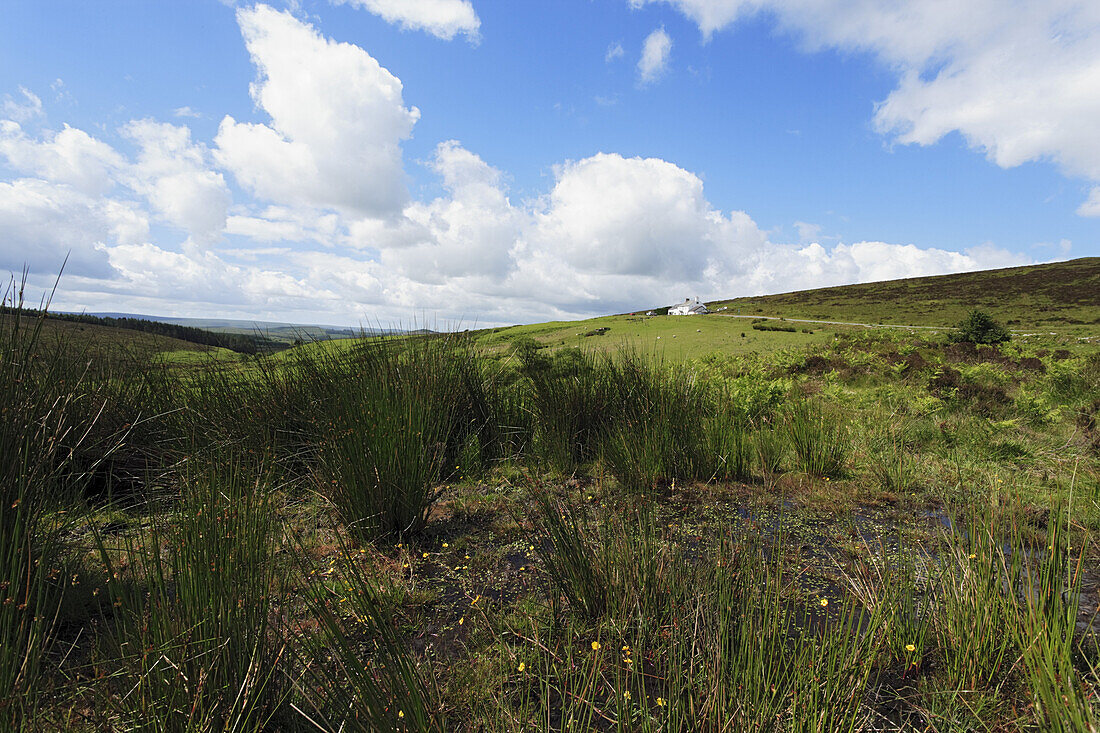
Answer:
(688, 308)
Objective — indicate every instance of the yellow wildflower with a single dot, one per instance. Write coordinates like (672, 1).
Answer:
(522, 666)
(824, 602)
(595, 646)
(910, 648)
(660, 702)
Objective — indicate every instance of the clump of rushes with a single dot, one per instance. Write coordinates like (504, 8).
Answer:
(896, 584)
(192, 645)
(891, 464)
(1046, 630)
(715, 642)
(728, 446)
(40, 389)
(608, 566)
(571, 560)
(772, 670)
(819, 440)
(770, 447)
(358, 674)
(653, 420)
(639, 454)
(664, 425)
(392, 426)
(974, 618)
(571, 397)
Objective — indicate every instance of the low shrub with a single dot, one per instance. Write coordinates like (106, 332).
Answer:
(979, 328)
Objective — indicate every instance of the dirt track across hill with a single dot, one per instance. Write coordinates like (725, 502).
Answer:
(842, 323)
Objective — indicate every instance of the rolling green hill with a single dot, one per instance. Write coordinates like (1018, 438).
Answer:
(110, 341)
(676, 338)
(1062, 297)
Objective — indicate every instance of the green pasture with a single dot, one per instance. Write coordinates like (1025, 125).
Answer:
(674, 338)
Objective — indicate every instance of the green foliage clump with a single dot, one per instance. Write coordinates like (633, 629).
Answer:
(979, 328)
(769, 327)
(820, 441)
(393, 428)
(49, 407)
(192, 642)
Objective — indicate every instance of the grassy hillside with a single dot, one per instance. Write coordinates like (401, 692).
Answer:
(677, 338)
(110, 341)
(1062, 297)
(278, 332)
(882, 531)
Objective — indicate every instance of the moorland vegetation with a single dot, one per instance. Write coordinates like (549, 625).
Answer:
(877, 530)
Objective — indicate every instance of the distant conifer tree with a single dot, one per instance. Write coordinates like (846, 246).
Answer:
(979, 328)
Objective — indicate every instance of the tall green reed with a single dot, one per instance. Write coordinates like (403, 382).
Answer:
(1046, 631)
(819, 440)
(48, 409)
(607, 566)
(357, 673)
(393, 427)
(571, 397)
(192, 643)
(675, 639)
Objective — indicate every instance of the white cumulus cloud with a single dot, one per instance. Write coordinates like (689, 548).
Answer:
(442, 18)
(655, 55)
(172, 173)
(337, 122)
(70, 156)
(42, 223)
(471, 231)
(330, 233)
(1091, 205)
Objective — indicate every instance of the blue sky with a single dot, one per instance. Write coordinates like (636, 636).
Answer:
(497, 162)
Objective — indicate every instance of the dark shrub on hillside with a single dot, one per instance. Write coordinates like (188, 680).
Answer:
(979, 328)
(911, 363)
(985, 399)
(1033, 364)
(769, 327)
(815, 364)
(967, 352)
